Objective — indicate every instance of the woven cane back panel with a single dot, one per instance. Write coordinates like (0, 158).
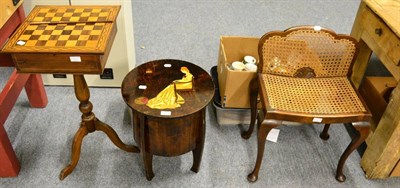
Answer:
(312, 95)
(318, 50)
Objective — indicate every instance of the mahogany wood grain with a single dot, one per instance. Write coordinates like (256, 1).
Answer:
(156, 77)
(184, 129)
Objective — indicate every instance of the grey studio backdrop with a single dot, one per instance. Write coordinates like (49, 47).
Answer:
(187, 30)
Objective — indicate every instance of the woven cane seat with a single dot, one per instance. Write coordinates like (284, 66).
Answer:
(333, 95)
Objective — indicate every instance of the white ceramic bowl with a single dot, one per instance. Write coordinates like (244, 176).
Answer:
(237, 65)
(251, 67)
(249, 59)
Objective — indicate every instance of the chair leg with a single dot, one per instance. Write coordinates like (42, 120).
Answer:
(263, 130)
(324, 134)
(253, 106)
(355, 142)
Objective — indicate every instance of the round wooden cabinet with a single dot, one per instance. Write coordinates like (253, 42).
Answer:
(169, 131)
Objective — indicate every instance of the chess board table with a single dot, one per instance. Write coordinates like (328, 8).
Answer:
(69, 39)
(64, 39)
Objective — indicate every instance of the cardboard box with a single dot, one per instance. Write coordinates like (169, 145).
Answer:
(227, 116)
(233, 84)
(376, 92)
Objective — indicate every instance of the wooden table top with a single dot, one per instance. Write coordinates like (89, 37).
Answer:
(64, 29)
(8, 7)
(389, 11)
(155, 77)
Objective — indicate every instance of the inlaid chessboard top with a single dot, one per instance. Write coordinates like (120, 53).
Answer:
(60, 14)
(64, 29)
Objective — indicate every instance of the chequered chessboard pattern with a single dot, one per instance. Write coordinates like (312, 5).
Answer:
(62, 35)
(72, 14)
(65, 29)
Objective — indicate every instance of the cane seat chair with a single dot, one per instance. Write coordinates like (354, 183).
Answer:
(303, 77)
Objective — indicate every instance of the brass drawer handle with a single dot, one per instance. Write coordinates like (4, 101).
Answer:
(378, 31)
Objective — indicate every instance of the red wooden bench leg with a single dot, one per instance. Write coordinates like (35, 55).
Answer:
(9, 165)
(35, 91)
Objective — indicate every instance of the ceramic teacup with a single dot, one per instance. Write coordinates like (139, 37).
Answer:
(237, 65)
(251, 67)
(249, 59)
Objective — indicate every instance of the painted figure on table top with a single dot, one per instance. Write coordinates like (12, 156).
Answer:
(168, 98)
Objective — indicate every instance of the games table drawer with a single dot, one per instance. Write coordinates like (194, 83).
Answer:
(386, 41)
(59, 63)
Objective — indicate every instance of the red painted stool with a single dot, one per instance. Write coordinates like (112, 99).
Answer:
(33, 84)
